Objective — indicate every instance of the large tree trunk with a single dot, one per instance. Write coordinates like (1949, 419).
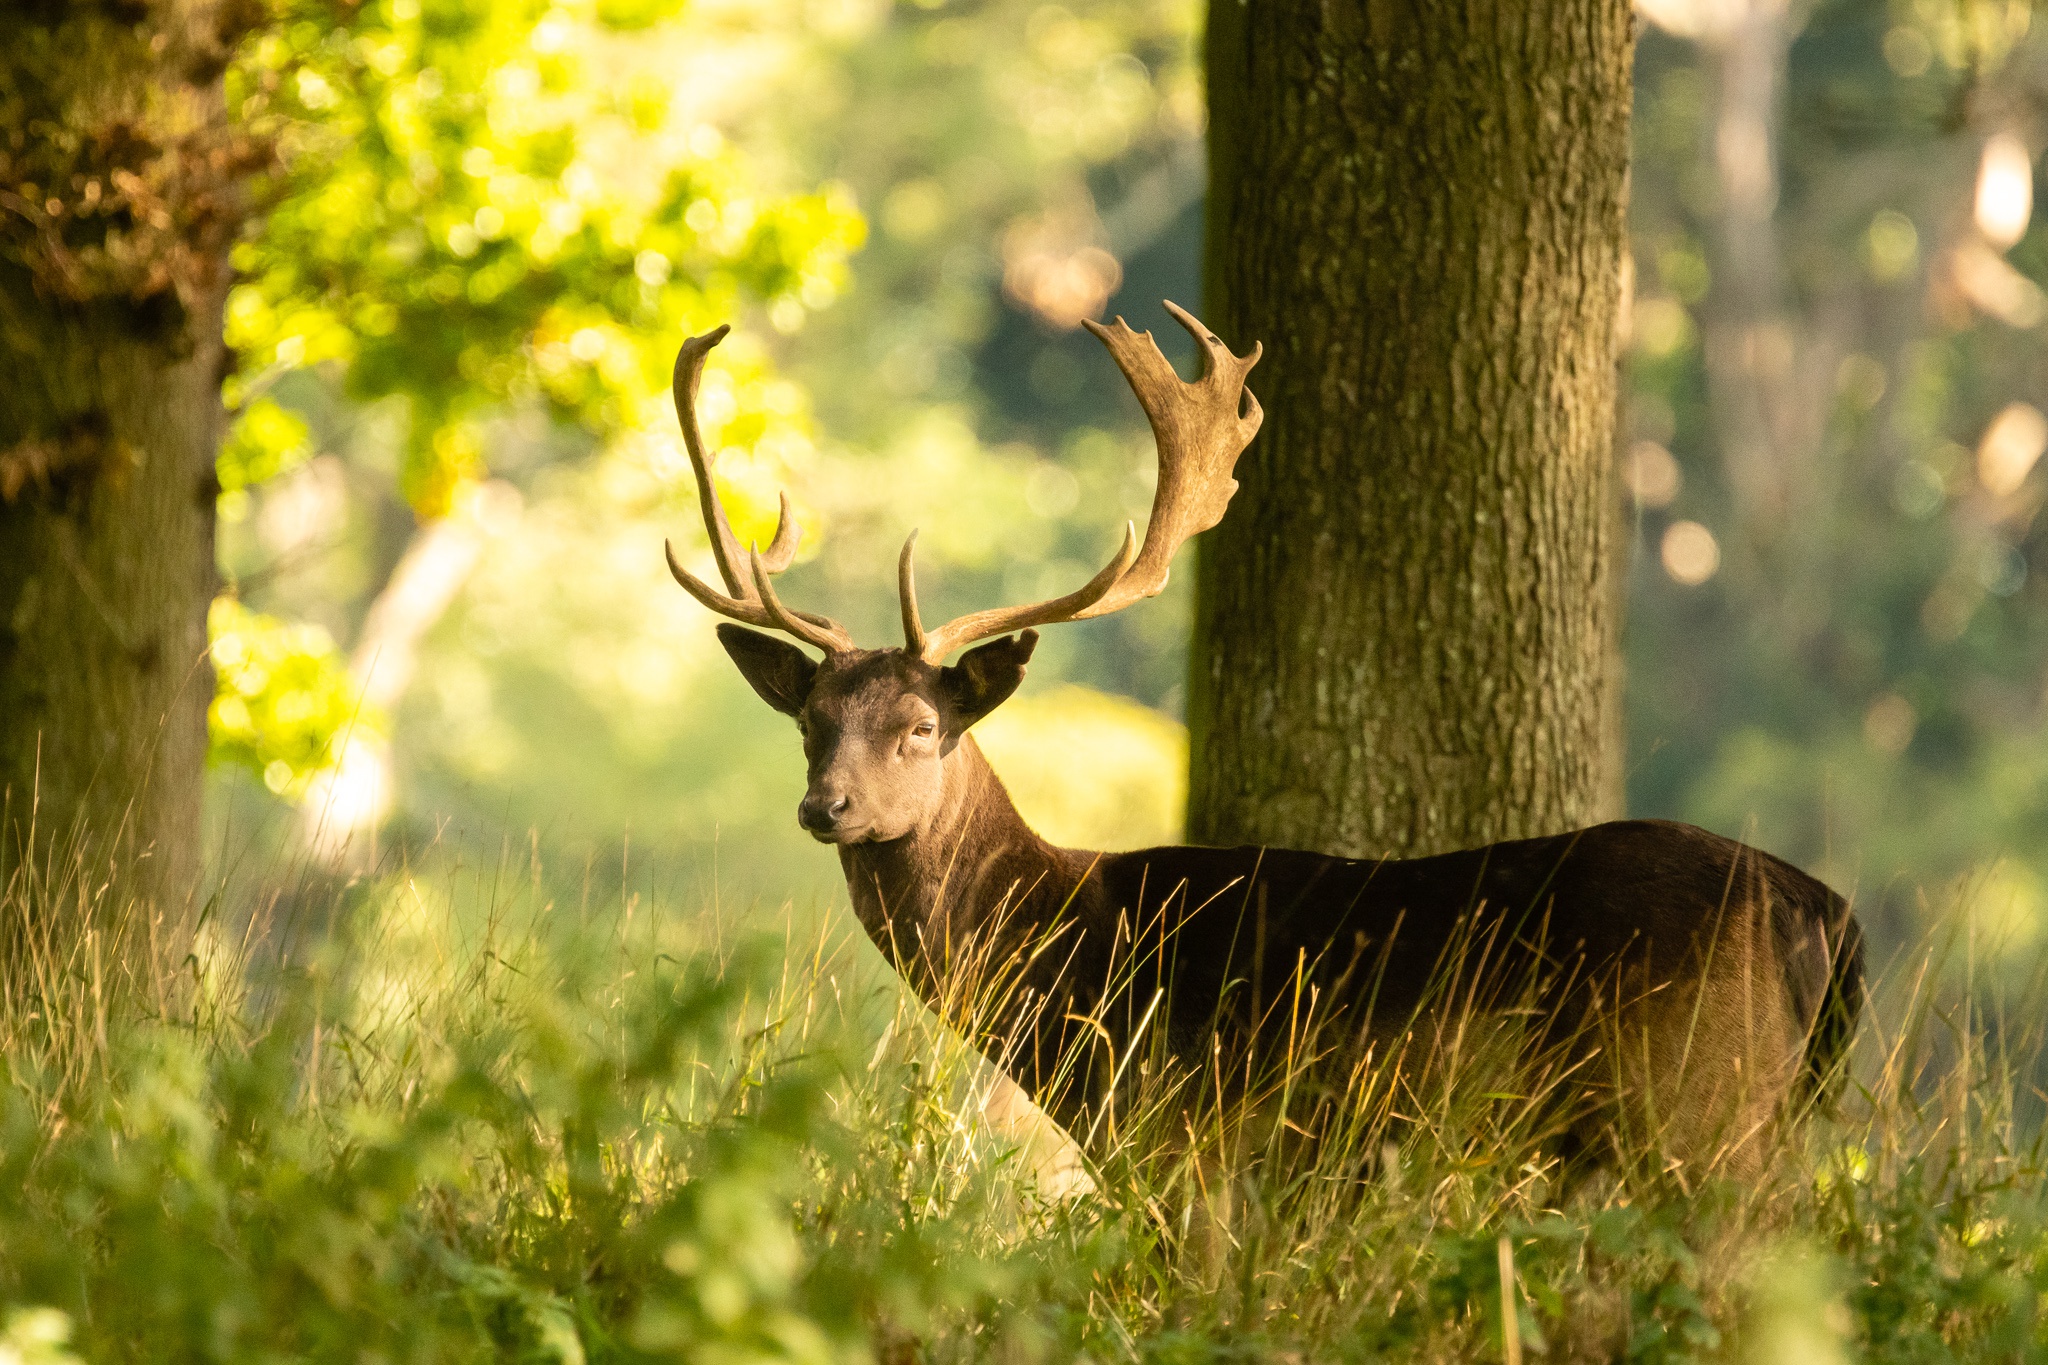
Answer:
(1403, 628)
(119, 171)
(105, 576)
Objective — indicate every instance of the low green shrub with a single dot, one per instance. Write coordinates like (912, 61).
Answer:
(595, 1175)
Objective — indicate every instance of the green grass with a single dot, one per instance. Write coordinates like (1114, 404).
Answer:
(471, 1124)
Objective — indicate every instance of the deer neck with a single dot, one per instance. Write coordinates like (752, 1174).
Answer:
(972, 867)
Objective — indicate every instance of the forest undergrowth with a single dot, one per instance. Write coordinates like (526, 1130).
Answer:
(433, 1114)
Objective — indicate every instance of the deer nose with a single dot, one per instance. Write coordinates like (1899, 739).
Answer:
(821, 814)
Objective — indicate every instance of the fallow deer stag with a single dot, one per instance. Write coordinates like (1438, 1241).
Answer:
(1708, 980)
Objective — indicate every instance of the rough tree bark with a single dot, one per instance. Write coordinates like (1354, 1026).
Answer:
(1403, 629)
(118, 175)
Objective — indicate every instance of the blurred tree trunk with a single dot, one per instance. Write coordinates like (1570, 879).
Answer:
(1771, 373)
(117, 202)
(1404, 628)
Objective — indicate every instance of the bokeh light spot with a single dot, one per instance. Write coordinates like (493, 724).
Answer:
(1891, 245)
(2005, 190)
(1690, 553)
(2011, 445)
(1651, 474)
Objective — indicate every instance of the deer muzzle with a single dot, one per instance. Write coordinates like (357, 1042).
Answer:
(824, 816)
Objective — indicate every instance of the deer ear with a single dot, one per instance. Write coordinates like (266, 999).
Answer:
(776, 669)
(986, 676)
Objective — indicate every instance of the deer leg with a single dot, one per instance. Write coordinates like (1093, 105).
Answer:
(1052, 1159)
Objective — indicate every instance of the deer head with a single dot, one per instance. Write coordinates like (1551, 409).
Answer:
(879, 725)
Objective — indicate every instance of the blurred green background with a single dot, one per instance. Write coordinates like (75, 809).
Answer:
(449, 631)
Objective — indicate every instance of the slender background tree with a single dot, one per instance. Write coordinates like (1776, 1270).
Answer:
(1403, 631)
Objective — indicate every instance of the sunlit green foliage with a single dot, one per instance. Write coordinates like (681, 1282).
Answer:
(284, 698)
(589, 1176)
(483, 205)
(266, 441)
(482, 210)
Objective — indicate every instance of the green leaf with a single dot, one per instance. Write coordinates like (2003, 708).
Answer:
(265, 441)
(283, 699)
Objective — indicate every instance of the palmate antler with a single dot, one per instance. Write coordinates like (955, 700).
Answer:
(1199, 428)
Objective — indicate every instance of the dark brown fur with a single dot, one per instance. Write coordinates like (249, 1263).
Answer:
(1709, 981)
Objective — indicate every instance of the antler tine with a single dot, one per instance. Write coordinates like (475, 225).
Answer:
(755, 613)
(817, 631)
(1215, 355)
(747, 597)
(737, 608)
(745, 609)
(689, 372)
(980, 625)
(1199, 428)
(906, 594)
(781, 551)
